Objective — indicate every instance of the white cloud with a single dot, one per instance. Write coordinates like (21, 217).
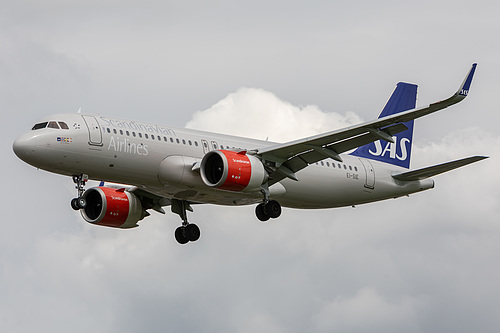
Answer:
(260, 114)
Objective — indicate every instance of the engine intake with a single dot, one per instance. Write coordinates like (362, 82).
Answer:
(112, 207)
(232, 171)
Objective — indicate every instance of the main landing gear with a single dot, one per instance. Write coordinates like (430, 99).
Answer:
(79, 202)
(187, 232)
(269, 209)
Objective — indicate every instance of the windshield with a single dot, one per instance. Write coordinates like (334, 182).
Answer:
(51, 124)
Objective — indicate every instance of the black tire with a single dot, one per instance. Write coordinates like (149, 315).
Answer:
(261, 213)
(82, 202)
(273, 208)
(74, 204)
(180, 236)
(192, 232)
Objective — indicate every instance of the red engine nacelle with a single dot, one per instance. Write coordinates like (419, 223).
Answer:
(232, 171)
(112, 207)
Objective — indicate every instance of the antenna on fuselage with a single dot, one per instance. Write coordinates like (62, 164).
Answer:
(79, 110)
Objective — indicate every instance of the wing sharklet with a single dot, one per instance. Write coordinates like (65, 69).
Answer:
(436, 169)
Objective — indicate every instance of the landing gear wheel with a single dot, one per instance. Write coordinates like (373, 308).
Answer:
(261, 212)
(82, 202)
(273, 208)
(180, 235)
(74, 204)
(188, 232)
(192, 232)
(78, 203)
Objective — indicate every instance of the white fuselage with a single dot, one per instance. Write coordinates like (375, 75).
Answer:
(160, 160)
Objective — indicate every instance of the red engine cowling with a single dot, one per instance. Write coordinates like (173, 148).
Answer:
(232, 171)
(112, 207)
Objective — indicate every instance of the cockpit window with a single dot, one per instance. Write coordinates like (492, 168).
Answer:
(53, 124)
(39, 126)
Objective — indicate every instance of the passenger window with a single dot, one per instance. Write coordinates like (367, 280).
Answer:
(183, 141)
(53, 124)
(121, 132)
(63, 125)
(146, 136)
(108, 130)
(355, 168)
(172, 140)
(133, 134)
(39, 126)
(345, 167)
(128, 133)
(152, 137)
(165, 138)
(114, 130)
(322, 164)
(190, 143)
(350, 167)
(158, 137)
(196, 143)
(177, 140)
(140, 135)
(327, 164)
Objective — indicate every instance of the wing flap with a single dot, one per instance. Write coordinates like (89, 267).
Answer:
(436, 169)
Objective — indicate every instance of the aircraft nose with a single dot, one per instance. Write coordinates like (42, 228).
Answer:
(24, 147)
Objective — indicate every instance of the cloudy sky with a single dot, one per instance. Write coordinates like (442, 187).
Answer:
(277, 69)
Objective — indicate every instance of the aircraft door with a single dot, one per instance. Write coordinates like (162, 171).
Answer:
(209, 147)
(95, 135)
(204, 144)
(369, 172)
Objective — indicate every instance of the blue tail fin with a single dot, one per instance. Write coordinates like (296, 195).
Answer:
(398, 153)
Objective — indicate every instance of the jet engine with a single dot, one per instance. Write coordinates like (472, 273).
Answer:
(232, 171)
(112, 207)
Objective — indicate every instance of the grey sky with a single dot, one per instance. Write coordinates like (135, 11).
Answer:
(418, 264)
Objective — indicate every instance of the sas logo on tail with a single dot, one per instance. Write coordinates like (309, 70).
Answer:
(391, 149)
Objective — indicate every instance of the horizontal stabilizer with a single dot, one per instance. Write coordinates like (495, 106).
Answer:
(436, 169)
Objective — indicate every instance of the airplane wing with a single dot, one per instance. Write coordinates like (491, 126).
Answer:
(156, 202)
(436, 169)
(284, 160)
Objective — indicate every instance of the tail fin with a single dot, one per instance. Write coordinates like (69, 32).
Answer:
(398, 153)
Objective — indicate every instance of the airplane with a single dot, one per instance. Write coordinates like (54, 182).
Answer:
(178, 167)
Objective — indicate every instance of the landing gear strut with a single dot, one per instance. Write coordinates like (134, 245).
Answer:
(79, 202)
(187, 232)
(269, 209)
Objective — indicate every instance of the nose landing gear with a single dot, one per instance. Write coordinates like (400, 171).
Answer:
(80, 181)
